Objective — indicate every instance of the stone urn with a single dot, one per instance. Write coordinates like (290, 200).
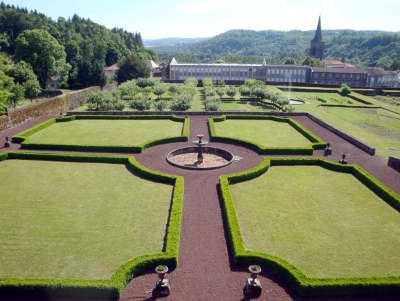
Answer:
(162, 288)
(253, 286)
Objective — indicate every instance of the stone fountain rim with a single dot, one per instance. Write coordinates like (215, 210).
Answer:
(205, 150)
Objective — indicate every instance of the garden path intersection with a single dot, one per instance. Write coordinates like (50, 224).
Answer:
(205, 270)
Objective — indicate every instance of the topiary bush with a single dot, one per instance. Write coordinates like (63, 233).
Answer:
(344, 90)
(140, 104)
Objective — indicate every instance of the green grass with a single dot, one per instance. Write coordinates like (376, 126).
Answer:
(77, 220)
(378, 128)
(327, 224)
(107, 132)
(324, 98)
(266, 133)
(239, 106)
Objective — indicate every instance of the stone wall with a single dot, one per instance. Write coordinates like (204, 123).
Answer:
(51, 106)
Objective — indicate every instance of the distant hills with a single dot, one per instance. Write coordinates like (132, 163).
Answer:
(367, 48)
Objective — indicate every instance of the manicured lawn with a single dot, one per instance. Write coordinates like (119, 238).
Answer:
(107, 132)
(324, 98)
(378, 128)
(266, 133)
(326, 223)
(76, 220)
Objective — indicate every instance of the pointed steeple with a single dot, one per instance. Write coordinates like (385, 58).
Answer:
(317, 45)
(318, 32)
(173, 61)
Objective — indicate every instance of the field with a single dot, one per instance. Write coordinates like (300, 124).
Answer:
(378, 128)
(77, 220)
(107, 132)
(325, 223)
(266, 133)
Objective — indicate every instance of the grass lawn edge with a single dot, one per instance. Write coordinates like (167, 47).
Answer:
(23, 137)
(315, 141)
(294, 277)
(108, 288)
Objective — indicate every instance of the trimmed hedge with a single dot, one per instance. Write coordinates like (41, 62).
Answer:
(316, 142)
(300, 282)
(23, 137)
(109, 288)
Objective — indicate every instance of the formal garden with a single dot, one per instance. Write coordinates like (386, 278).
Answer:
(95, 187)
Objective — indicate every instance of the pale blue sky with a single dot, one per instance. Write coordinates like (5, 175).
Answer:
(205, 18)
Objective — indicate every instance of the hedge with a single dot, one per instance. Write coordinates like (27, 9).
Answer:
(23, 137)
(109, 288)
(316, 142)
(301, 283)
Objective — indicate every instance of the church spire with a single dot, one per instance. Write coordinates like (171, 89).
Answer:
(318, 33)
(317, 45)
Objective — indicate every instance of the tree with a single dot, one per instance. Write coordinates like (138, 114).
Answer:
(344, 90)
(290, 61)
(132, 67)
(32, 89)
(22, 72)
(42, 51)
(191, 81)
(159, 90)
(221, 92)
(18, 92)
(231, 91)
(395, 65)
(244, 91)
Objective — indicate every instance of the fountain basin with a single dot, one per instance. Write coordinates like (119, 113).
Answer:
(188, 158)
(296, 102)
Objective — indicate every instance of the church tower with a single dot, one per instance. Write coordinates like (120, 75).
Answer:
(317, 45)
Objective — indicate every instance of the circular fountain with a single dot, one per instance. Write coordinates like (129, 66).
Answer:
(200, 156)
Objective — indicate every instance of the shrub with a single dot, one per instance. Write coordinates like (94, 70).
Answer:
(159, 90)
(182, 103)
(207, 82)
(208, 91)
(344, 90)
(231, 91)
(101, 101)
(258, 92)
(221, 92)
(211, 103)
(172, 89)
(161, 105)
(244, 91)
(147, 82)
(140, 104)
(191, 81)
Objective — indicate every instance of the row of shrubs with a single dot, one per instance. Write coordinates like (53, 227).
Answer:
(316, 142)
(110, 288)
(23, 137)
(302, 284)
(253, 90)
(144, 94)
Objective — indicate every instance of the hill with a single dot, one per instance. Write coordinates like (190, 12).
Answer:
(368, 48)
(86, 45)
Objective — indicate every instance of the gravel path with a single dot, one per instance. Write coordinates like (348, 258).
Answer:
(204, 271)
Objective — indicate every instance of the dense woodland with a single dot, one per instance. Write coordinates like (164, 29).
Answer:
(73, 51)
(363, 48)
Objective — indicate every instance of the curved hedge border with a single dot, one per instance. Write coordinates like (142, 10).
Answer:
(299, 281)
(109, 288)
(316, 142)
(23, 137)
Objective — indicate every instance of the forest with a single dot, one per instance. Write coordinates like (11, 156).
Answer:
(362, 48)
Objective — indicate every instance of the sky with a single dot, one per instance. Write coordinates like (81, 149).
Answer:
(207, 18)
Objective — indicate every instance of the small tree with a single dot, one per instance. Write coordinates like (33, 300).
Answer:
(182, 103)
(231, 91)
(344, 90)
(18, 94)
(132, 67)
(207, 82)
(159, 90)
(161, 105)
(244, 91)
(259, 93)
(221, 92)
(172, 89)
(32, 89)
(140, 104)
(191, 81)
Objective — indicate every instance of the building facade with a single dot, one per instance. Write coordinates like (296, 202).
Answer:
(380, 78)
(240, 72)
(336, 76)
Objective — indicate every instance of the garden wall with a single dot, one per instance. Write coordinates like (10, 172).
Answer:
(394, 163)
(51, 106)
